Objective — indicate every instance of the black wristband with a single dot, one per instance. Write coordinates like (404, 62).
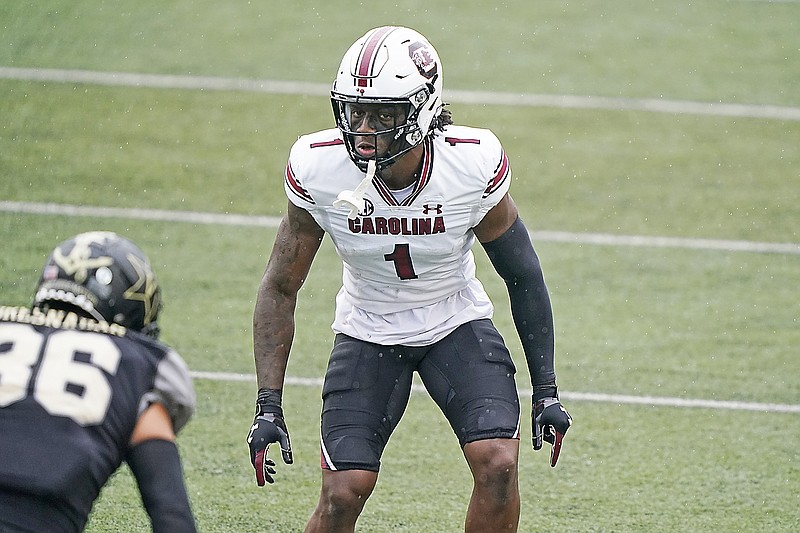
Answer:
(541, 392)
(269, 401)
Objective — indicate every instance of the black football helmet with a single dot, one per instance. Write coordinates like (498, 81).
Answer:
(106, 277)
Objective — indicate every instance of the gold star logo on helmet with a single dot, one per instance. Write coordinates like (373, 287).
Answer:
(144, 289)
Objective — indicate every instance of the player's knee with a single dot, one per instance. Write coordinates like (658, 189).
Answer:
(500, 475)
(345, 493)
(495, 467)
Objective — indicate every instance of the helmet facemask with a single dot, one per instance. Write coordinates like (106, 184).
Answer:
(388, 125)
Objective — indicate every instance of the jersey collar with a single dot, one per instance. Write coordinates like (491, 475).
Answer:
(423, 180)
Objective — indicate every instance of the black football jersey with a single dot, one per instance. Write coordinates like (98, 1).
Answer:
(71, 391)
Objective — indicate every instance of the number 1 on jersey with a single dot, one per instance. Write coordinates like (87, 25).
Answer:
(402, 262)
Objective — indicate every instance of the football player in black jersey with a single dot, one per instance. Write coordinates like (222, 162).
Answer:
(86, 385)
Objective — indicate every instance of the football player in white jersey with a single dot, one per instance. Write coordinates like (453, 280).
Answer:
(403, 194)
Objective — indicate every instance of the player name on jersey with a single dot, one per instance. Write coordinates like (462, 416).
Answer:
(58, 319)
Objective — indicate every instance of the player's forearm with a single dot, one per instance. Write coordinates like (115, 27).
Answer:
(156, 465)
(273, 332)
(296, 244)
(514, 258)
(533, 318)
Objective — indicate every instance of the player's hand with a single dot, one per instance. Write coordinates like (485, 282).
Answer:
(268, 428)
(550, 423)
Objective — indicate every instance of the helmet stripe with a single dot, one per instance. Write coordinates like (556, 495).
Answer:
(369, 52)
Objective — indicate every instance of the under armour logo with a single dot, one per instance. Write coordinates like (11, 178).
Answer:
(427, 208)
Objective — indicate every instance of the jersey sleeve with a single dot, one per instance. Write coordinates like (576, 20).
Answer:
(293, 185)
(173, 389)
(497, 172)
(318, 169)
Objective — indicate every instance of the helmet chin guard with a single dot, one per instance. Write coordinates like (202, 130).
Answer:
(390, 65)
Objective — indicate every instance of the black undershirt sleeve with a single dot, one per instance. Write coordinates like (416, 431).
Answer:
(514, 258)
(156, 465)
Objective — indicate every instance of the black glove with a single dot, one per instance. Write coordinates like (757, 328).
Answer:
(268, 427)
(550, 422)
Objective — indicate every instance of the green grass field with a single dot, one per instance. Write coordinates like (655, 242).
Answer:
(688, 321)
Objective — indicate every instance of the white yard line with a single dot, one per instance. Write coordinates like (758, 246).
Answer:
(192, 217)
(195, 217)
(658, 105)
(622, 399)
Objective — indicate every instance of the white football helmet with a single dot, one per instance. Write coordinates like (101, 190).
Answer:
(389, 65)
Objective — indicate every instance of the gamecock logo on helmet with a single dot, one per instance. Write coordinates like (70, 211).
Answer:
(422, 58)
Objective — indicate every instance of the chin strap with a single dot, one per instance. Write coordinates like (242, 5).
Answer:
(354, 200)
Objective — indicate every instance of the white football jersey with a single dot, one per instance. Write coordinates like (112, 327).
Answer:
(409, 273)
